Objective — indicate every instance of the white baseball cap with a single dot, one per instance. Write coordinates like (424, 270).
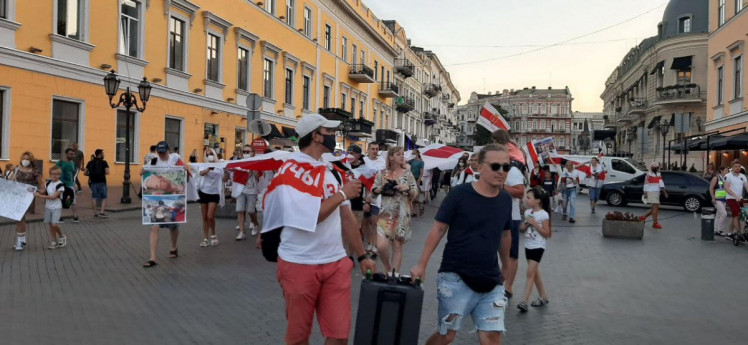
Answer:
(309, 123)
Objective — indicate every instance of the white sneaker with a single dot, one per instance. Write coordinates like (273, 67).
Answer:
(205, 243)
(18, 246)
(63, 241)
(213, 241)
(255, 231)
(53, 245)
(241, 236)
(236, 227)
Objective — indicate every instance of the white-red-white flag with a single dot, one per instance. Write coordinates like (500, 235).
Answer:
(491, 119)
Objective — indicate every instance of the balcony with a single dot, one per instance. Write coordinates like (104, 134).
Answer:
(386, 136)
(431, 90)
(336, 114)
(404, 67)
(404, 104)
(673, 94)
(361, 73)
(388, 90)
(429, 118)
(360, 128)
(637, 106)
(445, 98)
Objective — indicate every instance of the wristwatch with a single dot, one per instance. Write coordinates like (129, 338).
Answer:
(366, 255)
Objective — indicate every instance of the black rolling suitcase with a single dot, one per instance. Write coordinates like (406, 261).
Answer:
(389, 311)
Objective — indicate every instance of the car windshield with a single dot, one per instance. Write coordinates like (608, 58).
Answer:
(638, 165)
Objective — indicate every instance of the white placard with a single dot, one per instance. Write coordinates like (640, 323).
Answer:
(15, 198)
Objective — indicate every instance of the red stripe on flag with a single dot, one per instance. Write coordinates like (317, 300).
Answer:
(443, 152)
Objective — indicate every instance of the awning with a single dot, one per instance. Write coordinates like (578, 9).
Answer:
(657, 67)
(290, 133)
(274, 132)
(735, 142)
(283, 142)
(601, 134)
(655, 119)
(681, 63)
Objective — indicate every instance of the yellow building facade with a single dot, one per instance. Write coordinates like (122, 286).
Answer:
(202, 57)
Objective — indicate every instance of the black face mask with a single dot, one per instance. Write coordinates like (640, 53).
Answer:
(329, 141)
(654, 170)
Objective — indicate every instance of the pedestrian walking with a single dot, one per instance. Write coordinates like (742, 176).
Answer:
(357, 203)
(373, 203)
(79, 163)
(69, 176)
(735, 183)
(710, 172)
(470, 174)
(27, 173)
(436, 180)
(476, 218)
(164, 159)
(398, 189)
(653, 187)
(9, 170)
(719, 199)
(53, 207)
(595, 181)
(150, 155)
(417, 167)
(210, 193)
(537, 229)
(313, 268)
(97, 169)
(515, 186)
(549, 183)
(568, 185)
(246, 197)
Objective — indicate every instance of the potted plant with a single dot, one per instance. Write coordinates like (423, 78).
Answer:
(622, 225)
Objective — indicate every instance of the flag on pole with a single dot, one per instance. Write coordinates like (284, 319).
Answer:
(491, 119)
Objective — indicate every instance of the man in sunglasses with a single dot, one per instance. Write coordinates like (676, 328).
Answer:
(478, 218)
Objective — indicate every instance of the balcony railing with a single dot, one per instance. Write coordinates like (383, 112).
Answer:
(404, 104)
(686, 93)
(404, 67)
(361, 73)
(429, 118)
(388, 90)
(431, 90)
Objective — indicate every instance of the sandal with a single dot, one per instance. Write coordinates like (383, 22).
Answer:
(522, 306)
(173, 254)
(539, 302)
(149, 263)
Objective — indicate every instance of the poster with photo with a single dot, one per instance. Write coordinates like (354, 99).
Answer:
(164, 195)
(545, 149)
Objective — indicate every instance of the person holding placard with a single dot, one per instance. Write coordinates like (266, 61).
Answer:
(26, 173)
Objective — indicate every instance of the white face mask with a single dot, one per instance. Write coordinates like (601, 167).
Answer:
(211, 158)
(247, 155)
(25, 162)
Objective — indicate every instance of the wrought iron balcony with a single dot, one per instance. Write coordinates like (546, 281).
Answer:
(637, 106)
(404, 67)
(361, 73)
(429, 118)
(336, 114)
(690, 93)
(388, 90)
(431, 90)
(404, 104)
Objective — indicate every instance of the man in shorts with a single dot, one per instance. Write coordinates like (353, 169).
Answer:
(476, 217)
(372, 202)
(69, 176)
(653, 187)
(735, 183)
(357, 204)
(246, 202)
(96, 170)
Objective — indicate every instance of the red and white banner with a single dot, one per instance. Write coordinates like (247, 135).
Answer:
(437, 156)
(491, 119)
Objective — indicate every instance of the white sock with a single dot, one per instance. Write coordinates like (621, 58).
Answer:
(22, 237)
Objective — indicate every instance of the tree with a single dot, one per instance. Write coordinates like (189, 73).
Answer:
(482, 136)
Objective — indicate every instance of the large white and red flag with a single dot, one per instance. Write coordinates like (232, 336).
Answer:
(491, 119)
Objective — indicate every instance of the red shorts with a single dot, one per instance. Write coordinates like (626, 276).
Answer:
(734, 206)
(326, 288)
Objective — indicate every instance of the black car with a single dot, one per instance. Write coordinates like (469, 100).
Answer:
(683, 189)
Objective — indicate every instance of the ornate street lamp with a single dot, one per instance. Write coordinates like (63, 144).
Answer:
(664, 128)
(128, 100)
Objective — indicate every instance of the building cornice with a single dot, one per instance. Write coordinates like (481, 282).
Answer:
(211, 18)
(182, 5)
(351, 12)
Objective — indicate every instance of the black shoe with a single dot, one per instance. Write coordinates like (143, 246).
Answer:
(563, 217)
(508, 294)
(75, 219)
(593, 210)
(572, 221)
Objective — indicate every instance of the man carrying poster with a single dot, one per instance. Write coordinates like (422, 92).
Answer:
(164, 181)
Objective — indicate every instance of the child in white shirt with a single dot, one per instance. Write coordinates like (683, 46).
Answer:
(537, 229)
(53, 208)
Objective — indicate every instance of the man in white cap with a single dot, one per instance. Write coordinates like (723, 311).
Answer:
(310, 208)
(653, 186)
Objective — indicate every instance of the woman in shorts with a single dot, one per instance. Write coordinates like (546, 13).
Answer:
(27, 173)
(209, 193)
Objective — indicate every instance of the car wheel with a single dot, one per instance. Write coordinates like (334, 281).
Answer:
(692, 204)
(615, 198)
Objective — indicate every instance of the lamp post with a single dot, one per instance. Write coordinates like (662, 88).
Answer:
(128, 100)
(664, 128)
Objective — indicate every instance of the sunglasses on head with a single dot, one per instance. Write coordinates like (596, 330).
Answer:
(498, 166)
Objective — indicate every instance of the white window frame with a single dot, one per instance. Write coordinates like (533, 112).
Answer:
(344, 49)
(181, 129)
(354, 50)
(328, 37)
(185, 41)
(271, 79)
(135, 136)
(5, 121)
(307, 94)
(84, 24)
(10, 11)
(721, 12)
(81, 120)
(224, 25)
(270, 6)
(220, 48)
(308, 21)
(739, 5)
(682, 24)
(285, 78)
(245, 40)
(249, 68)
(291, 12)
(245, 137)
(720, 92)
(141, 30)
(738, 63)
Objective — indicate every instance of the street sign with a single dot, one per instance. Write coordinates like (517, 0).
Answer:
(254, 103)
(260, 145)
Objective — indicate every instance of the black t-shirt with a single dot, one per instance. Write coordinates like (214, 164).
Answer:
(97, 171)
(476, 224)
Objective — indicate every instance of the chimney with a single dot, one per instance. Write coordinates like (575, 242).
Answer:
(505, 92)
(549, 88)
(533, 87)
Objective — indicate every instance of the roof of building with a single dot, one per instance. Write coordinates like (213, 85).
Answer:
(697, 10)
(526, 92)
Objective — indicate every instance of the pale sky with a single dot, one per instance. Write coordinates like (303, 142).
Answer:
(460, 31)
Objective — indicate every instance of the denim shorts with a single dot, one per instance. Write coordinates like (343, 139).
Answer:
(456, 298)
(246, 203)
(98, 191)
(594, 193)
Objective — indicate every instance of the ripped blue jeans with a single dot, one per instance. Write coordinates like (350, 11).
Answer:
(456, 300)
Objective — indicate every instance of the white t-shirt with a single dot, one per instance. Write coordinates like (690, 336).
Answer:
(210, 183)
(653, 182)
(592, 181)
(325, 244)
(173, 160)
(56, 203)
(533, 239)
(515, 178)
(570, 178)
(736, 184)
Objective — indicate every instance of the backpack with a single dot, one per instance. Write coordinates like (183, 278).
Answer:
(67, 196)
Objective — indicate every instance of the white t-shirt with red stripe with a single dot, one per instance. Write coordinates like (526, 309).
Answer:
(653, 182)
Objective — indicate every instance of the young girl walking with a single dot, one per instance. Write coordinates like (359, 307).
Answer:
(537, 229)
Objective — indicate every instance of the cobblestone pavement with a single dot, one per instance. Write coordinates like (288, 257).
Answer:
(670, 288)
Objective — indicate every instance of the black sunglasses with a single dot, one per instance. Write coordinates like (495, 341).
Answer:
(498, 166)
(247, 151)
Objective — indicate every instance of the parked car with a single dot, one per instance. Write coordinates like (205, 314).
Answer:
(683, 189)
